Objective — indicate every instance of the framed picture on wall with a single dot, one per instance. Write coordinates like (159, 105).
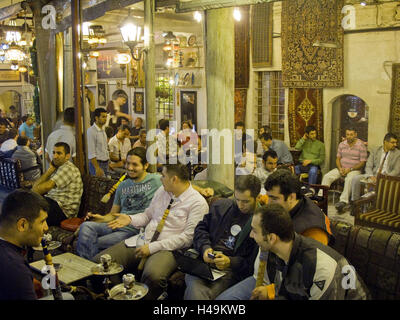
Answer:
(188, 102)
(102, 94)
(138, 98)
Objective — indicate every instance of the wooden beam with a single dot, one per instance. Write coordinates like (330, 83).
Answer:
(96, 11)
(80, 159)
(198, 5)
(149, 69)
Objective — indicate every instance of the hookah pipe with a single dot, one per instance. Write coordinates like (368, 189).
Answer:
(108, 195)
(49, 262)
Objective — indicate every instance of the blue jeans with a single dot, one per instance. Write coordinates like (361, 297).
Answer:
(240, 291)
(103, 165)
(96, 236)
(310, 169)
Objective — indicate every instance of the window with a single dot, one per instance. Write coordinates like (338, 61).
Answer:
(164, 97)
(271, 102)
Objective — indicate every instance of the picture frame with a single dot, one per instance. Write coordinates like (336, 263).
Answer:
(138, 100)
(102, 97)
(188, 104)
(7, 75)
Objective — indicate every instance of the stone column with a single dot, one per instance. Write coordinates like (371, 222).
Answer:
(46, 59)
(149, 69)
(220, 78)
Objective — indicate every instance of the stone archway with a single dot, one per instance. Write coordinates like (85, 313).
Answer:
(347, 111)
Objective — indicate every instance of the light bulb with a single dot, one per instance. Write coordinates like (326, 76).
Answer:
(237, 15)
(197, 16)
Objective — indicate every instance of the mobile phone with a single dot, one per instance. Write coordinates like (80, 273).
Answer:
(211, 255)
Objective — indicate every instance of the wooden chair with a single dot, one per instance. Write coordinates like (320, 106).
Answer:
(384, 212)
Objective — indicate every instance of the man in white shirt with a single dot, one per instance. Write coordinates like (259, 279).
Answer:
(97, 144)
(66, 134)
(187, 208)
(119, 146)
(11, 142)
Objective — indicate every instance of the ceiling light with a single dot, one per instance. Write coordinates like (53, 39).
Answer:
(197, 16)
(237, 14)
(363, 3)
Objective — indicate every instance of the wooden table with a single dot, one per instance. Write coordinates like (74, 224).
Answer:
(73, 267)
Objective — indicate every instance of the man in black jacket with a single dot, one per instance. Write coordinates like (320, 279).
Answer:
(224, 232)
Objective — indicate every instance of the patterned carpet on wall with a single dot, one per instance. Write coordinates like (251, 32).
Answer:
(305, 109)
(394, 125)
(240, 104)
(261, 35)
(305, 23)
(242, 47)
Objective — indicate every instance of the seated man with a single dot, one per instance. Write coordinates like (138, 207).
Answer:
(141, 142)
(350, 159)
(284, 188)
(312, 154)
(292, 267)
(119, 146)
(26, 128)
(384, 159)
(3, 131)
(263, 129)
(62, 186)
(269, 164)
(132, 196)
(30, 161)
(180, 208)
(284, 155)
(11, 143)
(225, 232)
(22, 224)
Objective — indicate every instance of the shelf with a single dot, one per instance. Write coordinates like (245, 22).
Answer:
(189, 47)
(90, 70)
(188, 87)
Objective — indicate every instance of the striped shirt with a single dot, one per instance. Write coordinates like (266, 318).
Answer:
(351, 156)
(68, 190)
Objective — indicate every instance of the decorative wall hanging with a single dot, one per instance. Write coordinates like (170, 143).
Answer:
(188, 101)
(394, 124)
(242, 41)
(138, 101)
(102, 94)
(240, 104)
(261, 35)
(305, 109)
(312, 43)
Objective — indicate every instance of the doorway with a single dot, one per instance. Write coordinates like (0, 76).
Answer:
(347, 111)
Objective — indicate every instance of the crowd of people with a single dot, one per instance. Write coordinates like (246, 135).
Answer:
(262, 238)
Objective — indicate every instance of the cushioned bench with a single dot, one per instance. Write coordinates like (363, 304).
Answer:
(375, 254)
(384, 209)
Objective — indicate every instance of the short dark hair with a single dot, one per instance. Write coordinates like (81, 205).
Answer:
(308, 129)
(248, 182)
(98, 112)
(266, 136)
(19, 204)
(123, 127)
(275, 219)
(22, 141)
(12, 133)
(69, 115)
(266, 129)
(179, 170)
(164, 124)
(3, 122)
(239, 124)
(139, 152)
(351, 129)
(389, 136)
(66, 147)
(286, 181)
(269, 153)
(189, 123)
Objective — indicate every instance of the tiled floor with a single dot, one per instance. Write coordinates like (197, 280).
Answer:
(333, 215)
